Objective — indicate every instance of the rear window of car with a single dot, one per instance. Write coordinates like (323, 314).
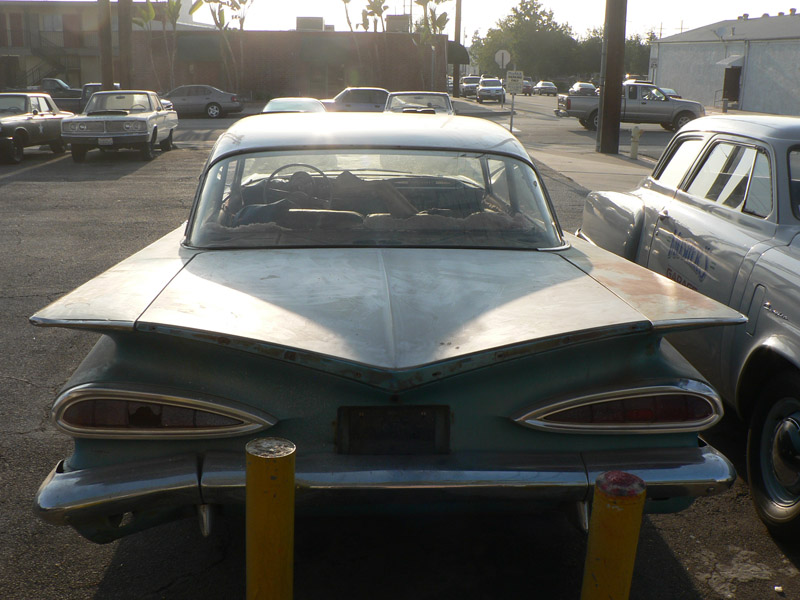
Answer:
(373, 198)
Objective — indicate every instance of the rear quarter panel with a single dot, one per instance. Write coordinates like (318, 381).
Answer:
(614, 221)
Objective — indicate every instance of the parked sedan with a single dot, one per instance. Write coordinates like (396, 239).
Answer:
(490, 89)
(358, 99)
(545, 88)
(203, 100)
(419, 102)
(721, 214)
(393, 294)
(112, 120)
(582, 88)
(284, 105)
(527, 86)
(29, 119)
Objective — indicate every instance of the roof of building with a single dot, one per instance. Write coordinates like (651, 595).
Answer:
(743, 28)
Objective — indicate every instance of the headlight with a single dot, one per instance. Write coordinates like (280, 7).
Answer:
(134, 126)
(95, 411)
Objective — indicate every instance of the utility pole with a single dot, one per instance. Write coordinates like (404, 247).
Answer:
(611, 76)
(106, 51)
(456, 65)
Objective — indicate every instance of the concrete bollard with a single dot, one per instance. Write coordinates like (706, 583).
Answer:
(269, 521)
(635, 135)
(613, 536)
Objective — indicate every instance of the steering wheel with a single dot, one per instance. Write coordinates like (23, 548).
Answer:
(142, 106)
(327, 183)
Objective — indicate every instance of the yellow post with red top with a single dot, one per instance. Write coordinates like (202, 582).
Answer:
(613, 536)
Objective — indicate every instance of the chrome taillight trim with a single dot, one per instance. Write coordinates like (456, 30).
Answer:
(688, 387)
(252, 419)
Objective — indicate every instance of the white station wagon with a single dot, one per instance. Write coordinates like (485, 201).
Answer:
(133, 119)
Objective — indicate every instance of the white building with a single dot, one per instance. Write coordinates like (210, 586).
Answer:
(753, 63)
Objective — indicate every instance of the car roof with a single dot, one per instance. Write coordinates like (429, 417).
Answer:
(365, 130)
(117, 92)
(755, 126)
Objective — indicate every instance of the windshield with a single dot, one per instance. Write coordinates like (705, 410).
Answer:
(491, 83)
(412, 102)
(372, 197)
(134, 102)
(471, 79)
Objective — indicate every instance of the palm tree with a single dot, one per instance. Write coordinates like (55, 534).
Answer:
(171, 13)
(145, 16)
(347, 14)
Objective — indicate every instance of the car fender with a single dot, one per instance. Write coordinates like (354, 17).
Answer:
(614, 221)
(763, 359)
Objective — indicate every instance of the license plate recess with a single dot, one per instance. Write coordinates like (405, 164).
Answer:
(393, 429)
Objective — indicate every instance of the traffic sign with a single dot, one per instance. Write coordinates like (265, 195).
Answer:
(514, 82)
(502, 58)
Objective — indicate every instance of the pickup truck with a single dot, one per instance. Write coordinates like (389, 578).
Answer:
(641, 103)
(720, 214)
(65, 97)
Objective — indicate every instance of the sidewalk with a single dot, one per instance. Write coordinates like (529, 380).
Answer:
(593, 170)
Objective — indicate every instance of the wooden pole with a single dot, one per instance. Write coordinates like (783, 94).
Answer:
(611, 77)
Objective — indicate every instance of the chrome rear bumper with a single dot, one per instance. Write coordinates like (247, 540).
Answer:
(70, 497)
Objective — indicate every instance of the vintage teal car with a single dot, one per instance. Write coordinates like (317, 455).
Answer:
(393, 294)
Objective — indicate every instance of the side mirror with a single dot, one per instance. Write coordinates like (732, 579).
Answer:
(34, 112)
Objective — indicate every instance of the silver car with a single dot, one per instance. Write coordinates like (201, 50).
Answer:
(357, 99)
(721, 215)
(490, 89)
(419, 102)
(203, 99)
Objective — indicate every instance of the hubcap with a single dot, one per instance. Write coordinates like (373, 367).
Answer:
(786, 452)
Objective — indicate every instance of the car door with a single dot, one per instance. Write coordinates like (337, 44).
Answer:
(36, 121)
(652, 104)
(180, 98)
(706, 235)
(50, 119)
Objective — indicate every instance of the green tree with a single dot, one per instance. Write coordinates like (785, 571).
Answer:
(637, 53)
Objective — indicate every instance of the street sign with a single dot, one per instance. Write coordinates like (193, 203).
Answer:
(514, 82)
(502, 58)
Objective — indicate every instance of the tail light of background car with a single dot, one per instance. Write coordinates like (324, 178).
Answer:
(689, 406)
(101, 411)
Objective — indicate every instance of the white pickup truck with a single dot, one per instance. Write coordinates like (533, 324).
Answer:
(641, 103)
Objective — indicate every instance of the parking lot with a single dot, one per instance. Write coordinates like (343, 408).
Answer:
(64, 223)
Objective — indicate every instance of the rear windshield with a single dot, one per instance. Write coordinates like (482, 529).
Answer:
(372, 197)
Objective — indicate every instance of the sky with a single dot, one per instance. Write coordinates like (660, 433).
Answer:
(665, 17)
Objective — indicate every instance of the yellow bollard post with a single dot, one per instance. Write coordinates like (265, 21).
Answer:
(269, 520)
(613, 536)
